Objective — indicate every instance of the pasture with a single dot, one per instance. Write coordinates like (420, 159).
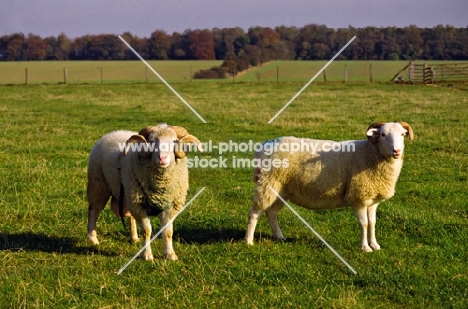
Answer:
(46, 261)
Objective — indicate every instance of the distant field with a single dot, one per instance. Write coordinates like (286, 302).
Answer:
(47, 132)
(107, 72)
(82, 72)
(357, 71)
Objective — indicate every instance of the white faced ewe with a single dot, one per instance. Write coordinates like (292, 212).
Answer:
(360, 176)
(151, 168)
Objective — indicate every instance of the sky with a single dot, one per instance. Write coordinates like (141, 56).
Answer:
(76, 18)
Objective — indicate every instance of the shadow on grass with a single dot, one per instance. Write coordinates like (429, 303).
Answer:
(208, 235)
(40, 242)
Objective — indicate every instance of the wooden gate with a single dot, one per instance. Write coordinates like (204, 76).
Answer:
(430, 74)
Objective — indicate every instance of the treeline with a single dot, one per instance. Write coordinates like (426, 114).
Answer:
(249, 48)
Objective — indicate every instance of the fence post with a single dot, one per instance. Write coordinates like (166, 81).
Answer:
(371, 79)
(428, 75)
(233, 73)
(324, 76)
(346, 73)
(65, 76)
(26, 76)
(277, 74)
(411, 72)
(146, 74)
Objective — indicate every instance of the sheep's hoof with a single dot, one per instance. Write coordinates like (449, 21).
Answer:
(282, 239)
(171, 256)
(249, 241)
(375, 246)
(366, 248)
(93, 240)
(134, 240)
(147, 256)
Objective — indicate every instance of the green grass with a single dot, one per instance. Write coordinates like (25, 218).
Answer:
(46, 261)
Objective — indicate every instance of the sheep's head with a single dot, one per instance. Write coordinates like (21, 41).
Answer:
(390, 137)
(166, 143)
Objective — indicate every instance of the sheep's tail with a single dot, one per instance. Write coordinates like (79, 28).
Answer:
(121, 201)
(261, 155)
(258, 170)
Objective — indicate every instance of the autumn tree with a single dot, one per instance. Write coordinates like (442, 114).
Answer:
(57, 48)
(159, 45)
(180, 46)
(288, 37)
(257, 45)
(14, 47)
(140, 45)
(229, 42)
(201, 45)
(35, 47)
(107, 47)
(80, 49)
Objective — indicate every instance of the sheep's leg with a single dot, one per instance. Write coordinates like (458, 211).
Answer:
(372, 217)
(254, 214)
(272, 215)
(361, 215)
(264, 199)
(169, 253)
(133, 230)
(131, 221)
(146, 227)
(93, 215)
(97, 198)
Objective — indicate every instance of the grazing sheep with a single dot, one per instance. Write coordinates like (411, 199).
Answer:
(317, 179)
(151, 168)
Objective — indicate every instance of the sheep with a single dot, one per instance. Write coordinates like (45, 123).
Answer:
(325, 180)
(147, 172)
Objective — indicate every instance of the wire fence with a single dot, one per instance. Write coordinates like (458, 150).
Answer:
(135, 72)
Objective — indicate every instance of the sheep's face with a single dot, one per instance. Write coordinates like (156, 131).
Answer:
(164, 144)
(390, 138)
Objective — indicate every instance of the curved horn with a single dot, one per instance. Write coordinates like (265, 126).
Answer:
(145, 132)
(376, 125)
(183, 148)
(372, 130)
(408, 128)
(179, 131)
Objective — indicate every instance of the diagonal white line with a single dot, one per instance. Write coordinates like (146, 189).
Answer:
(163, 80)
(313, 231)
(311, 80)
(160, 231)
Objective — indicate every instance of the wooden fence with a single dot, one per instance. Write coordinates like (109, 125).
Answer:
(431, 74)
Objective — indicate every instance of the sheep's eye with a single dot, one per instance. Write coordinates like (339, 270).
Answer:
(383, 134)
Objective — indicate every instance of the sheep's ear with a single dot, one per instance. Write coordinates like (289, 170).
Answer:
(183, 147)
(373, 132)
(138, 139)
(408, 128)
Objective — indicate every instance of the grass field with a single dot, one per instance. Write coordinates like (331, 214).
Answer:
(89, 72)
(46, 261)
